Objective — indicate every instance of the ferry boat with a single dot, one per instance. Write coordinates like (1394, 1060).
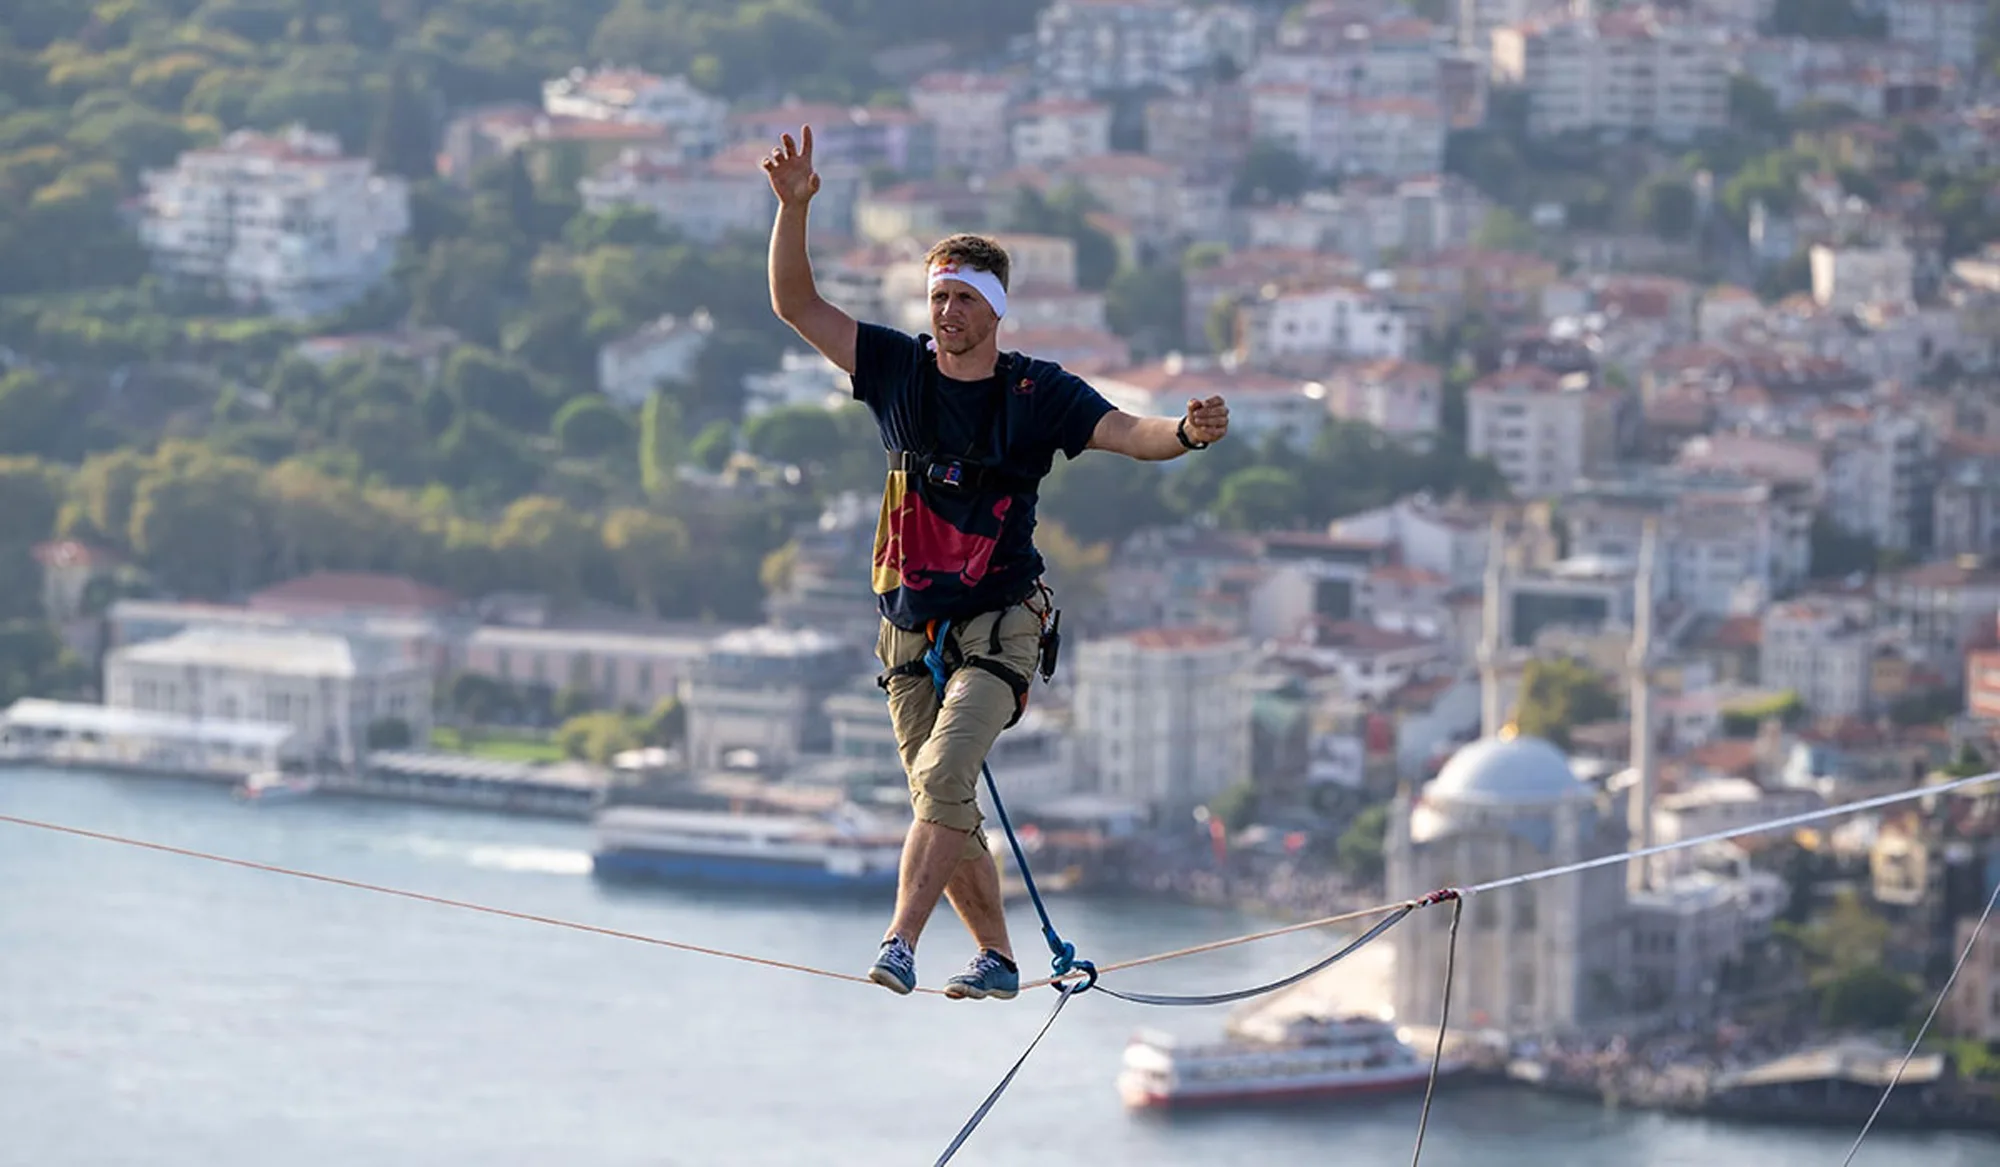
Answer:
(1298, 1058)
(844, 850)
(275, 786)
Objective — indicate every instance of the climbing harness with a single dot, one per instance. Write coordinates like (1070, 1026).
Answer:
(943, 656)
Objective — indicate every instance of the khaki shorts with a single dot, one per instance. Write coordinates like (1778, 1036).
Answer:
(942, 748)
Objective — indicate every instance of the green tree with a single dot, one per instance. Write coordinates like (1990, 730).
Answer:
(483, 459)
(1098, 499)
(1270, 173)
(597, 737)
(479, 700)
(1667, 206)
(199, 526)
(1866, 997)
(799, 435)
(1503, 230)
(486, 382)
(661, 443)
(713, 446)
(34, 663)
(552, 548)
(1147, 306)
(400, 141)
(1260, 498)
(1559, 694)
(666, 724)
(38, 415)
(1359, 850)
(591, 427)
(649, 552)
(1753, 107)
(31, 493)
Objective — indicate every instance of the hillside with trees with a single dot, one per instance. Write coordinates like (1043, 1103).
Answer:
(190, 436)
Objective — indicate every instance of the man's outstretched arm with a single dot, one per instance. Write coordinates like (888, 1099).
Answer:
(794, 296)
(1156, 439)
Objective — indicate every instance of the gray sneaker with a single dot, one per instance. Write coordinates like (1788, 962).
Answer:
(989, 975)
(895, 966)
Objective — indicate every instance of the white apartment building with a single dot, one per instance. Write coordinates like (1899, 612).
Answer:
(1965, 508)
(1163, 716)
(1371, 663)
(1710, 806)
(1880, 466)
(620, 670)
(1947, 30)
(281, 222)
(704, 201)
(1543, 431)
(1727, 543)
(1335, 321)
(761, 693)
(1404, 399)
(803, 378)
(1821, 649)
(1145, 190)
(1038, 261)
(1684, 932)
(1449, 541)
(1089, 46)
(698, 120)
(970, 113)
(1365, 218)
(1050, 133)
(1393, 137)
(1624, 71)
(1477, 20)
(330, 688)
(1845, 278)
(1389, 56)
(1939, 609)
(631, 367)
(1973, 1009)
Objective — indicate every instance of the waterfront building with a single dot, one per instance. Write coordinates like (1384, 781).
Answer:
(331, 688)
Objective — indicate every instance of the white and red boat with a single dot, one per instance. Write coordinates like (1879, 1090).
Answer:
(1273, 1061)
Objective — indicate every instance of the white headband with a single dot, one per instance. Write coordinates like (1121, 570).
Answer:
(983, 282)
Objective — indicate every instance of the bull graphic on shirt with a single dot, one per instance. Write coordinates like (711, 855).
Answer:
(915, 546)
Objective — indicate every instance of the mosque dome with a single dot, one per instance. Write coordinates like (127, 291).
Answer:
(1506, 771)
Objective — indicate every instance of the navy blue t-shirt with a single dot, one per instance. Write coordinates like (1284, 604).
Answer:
(942, 554)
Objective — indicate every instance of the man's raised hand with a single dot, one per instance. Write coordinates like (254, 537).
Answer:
(790, 168)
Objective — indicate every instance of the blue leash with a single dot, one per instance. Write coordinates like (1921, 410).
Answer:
(1062, 952)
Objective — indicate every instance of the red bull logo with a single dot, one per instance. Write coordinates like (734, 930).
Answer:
(915, 547)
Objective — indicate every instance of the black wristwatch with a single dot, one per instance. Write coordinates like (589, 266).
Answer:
(1180, 431)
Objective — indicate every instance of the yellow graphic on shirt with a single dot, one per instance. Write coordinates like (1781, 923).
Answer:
(888, 573)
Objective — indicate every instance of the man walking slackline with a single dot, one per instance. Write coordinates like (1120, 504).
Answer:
(971, 432)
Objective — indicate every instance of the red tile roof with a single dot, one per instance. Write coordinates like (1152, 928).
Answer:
(1167, 639)
(354, 590)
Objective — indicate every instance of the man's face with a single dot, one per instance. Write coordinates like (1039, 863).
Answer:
(961, 319)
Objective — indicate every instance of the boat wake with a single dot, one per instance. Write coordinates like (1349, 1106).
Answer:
(503, 856)
(538, 860)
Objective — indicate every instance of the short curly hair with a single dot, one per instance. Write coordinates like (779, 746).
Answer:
(976, 251)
